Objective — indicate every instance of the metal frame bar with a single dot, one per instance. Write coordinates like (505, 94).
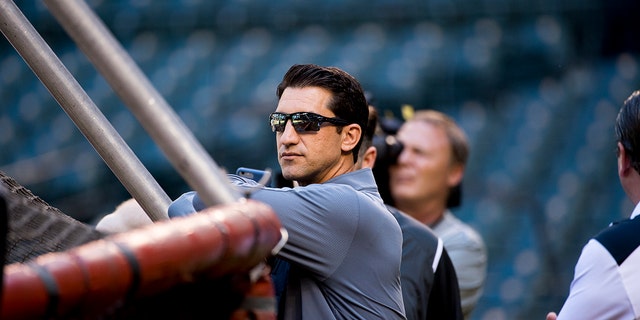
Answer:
(133, 87)
(182, 149)
(82, 111)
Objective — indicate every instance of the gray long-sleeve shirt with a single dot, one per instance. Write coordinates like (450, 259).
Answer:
(344, 247)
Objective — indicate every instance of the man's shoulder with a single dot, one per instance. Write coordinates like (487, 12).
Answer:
(413, 228)
(339, 196)
(338, 192)
(621, 238)
(358, 179)
(452, 229)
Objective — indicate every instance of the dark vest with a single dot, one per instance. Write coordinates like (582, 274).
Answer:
(621, 238)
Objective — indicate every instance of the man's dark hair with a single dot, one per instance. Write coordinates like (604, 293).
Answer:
(347, 102)
(628, 128)
(372, 125)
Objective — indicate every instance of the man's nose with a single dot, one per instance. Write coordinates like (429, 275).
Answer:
(403, 157)
(289, 135)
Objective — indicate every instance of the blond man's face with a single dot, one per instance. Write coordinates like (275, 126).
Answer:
(424, 170)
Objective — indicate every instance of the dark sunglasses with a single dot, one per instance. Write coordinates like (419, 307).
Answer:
(302, 121)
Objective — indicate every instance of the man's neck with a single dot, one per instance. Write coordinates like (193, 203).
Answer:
(428, 213)
(345, 165)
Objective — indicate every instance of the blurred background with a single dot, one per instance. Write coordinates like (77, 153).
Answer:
(536, 85)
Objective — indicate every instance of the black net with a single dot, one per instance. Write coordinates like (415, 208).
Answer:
(35, 227)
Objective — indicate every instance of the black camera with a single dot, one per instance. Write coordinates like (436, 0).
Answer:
(388, 150)
(387, 146)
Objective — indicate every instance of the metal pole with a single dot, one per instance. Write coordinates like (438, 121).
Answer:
(84, 113)
(161, 122)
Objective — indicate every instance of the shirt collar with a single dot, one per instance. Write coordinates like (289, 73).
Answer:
(361, 180)
(636, 211)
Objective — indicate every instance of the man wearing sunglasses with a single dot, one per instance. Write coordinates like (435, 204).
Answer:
(344, 247)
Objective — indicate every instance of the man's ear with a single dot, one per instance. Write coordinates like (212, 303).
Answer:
(369, 157)
(350, 136)
(624, 161)
(455, 175)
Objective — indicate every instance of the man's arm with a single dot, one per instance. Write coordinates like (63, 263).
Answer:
(596, 291)
(189, 202)
(186, 204)
(309, 214)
